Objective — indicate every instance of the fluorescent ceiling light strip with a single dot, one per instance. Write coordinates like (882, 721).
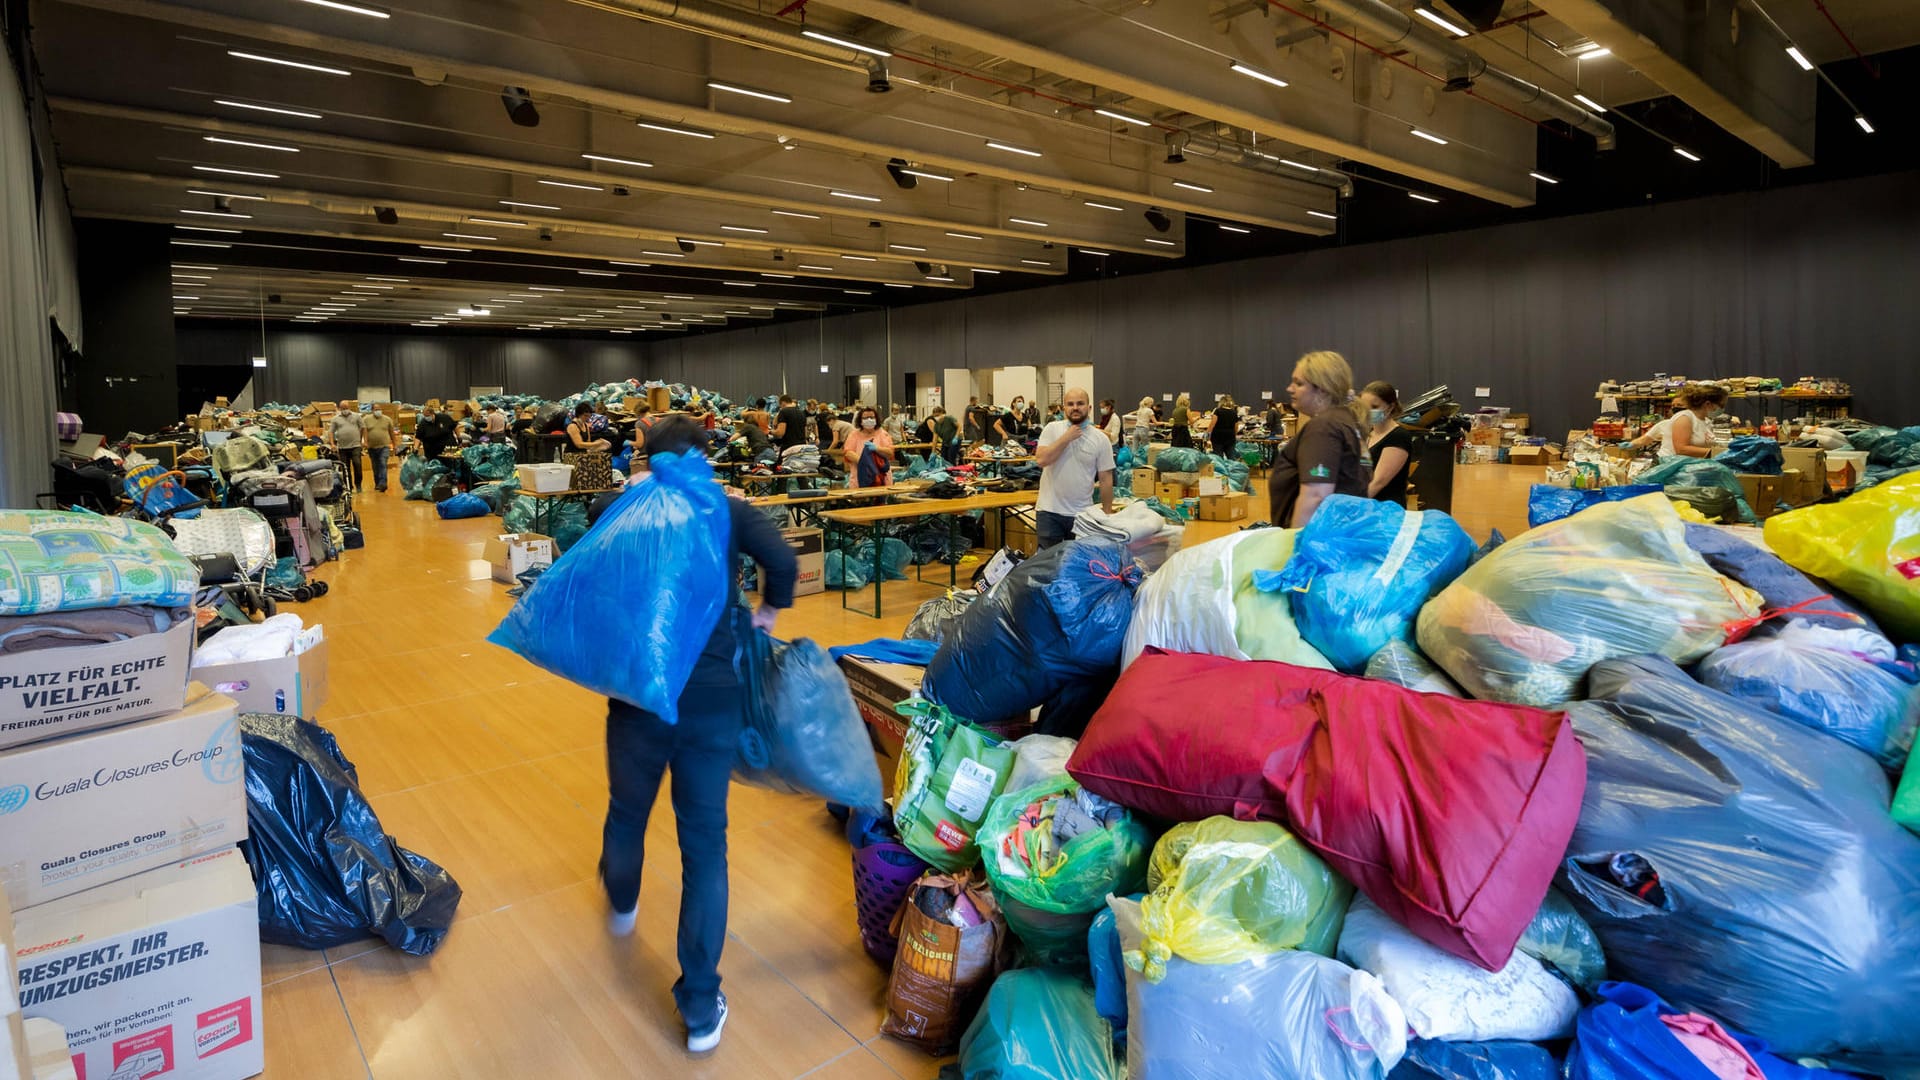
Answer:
(185, 266)
(768, 273)
(226, 195)
(497, 221)
(860, 258)
(984, 270)
(617, 262)
(466, 236)
(302, 114)
(1123, 117)
(1324, 214)
(618, 161)
(1256, 73)
(443, 247)
(250, 145)
(1027, 221)
(417, 259)
(845, 43)
(672, 296)
(896, 285)
(208, 228)
(666, 254)
(1105, 206)
(1799, 58)
(1429, 136)
(747, 91)
(1232, 228)
(742, 284)
(1686, 153)
(186, 298)
(700, 243)
(854, 195)
(527, 205)
(236, 172)
(1035, 262)
(1090, 251)
(936, 277)
(598, 273)
(570, 184)
(1422, 198)
(1589, 103)
(546, 288)
(671, 130)
(1433, 17)
(745, 229)
(351, 9)
(822, 269)
(219, 214)
(1162, 243)
(399, 279)
(905, 247)
(991, 144)
(238, 55)
(1543, 177)
(798, 214)
(858, 292)
(1193, 187)
(965, 236)
(928, 175)
(1866, 125)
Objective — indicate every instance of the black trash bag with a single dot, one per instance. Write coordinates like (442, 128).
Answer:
(1715, 504)
(325, 871)
(936, 618)
(1743, 866)
(1052, 629)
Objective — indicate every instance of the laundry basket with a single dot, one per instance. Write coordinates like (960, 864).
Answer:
(883, 874)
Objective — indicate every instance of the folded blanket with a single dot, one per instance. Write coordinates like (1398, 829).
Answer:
(95, 626)
(52, 560)
(1129, 525)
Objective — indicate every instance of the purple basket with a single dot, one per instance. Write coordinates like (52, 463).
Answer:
(883, 874)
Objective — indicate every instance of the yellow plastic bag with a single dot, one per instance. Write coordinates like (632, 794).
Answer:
(1221, 891)
(1868, 546)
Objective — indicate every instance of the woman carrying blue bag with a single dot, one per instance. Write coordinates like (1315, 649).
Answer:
(623, 613)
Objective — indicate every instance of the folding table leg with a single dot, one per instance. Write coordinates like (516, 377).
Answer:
(873, 536)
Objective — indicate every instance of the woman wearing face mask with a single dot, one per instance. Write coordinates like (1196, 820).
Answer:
(1389, 444)
(1015, 421)
(1324, 459)
(1109, 421)
(869, 452)
(1689, 433)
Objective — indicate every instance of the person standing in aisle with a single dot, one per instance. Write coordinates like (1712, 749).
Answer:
(1388, 444)
(1074, 457)
(1140, 438)
(1182, 422)
(866, 470)
(433, 430)
(700, 750)
(946, 431)
(790, 424)
(823, 426)
(1030, 419)
(376, 430)
(976, 429)
(895, 424)
(1690, 432)
(1325, 458)
(1224, 430)
(1110, 421)
(343, 435)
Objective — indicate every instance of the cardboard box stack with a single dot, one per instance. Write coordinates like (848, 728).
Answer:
(133, 923)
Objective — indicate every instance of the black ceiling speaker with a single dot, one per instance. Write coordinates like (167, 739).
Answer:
(519, 106)
(385, 215)
(1481, 13)
(1159, 220)
(898, 170)
(685, 245)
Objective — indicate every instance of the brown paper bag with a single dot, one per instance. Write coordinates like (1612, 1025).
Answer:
(942, 972)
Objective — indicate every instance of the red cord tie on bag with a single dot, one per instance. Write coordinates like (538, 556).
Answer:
(1738, 629)
(1127, 576)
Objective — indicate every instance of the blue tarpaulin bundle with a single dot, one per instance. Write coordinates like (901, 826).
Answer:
(1753, 454)
(1546, 503)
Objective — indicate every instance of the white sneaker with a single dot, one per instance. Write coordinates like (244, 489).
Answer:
(706, 1041)
(620, 923)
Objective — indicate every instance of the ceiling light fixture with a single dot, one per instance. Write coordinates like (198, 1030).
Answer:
(928, 175)
(1686, 153)
(905, 247)
(399, 279)
(473, 311)
(519, 105)
(1232, 228)
(860, 258)
(870, 50)
(1865, 124)
(351, 9)
(1100, 254)
(467, 236)
(769, 274)
(226, 195)
(197, 243)
(617, 161)
(497, 221)
(672, 296)
(858, 292)
(991, 144)
(570, 184)
(1435, 18)
(983, 270)
(1256, 73)
(1124, 118)
(546, 288)
(1027, 221)
(186, 298)
(302, 114)
(747, 91)
(683, 242)
(965, 236)
(219, 214)
(1422, 198)
(817, 269)
(896, 285)
(597, 273)
(1543, 177)
(1590, 103)
(745, 229)
(855, 196)
(443, 247)
(187, 266)
(418, 259)
(641, 266)
(940, 278)
(208, 228)
(527, 205)
(236, 172)
(238, 55)
(1162, 243)
(1323, 214)
(1158, 219)
(742, 284)
(671, 130)
(1430, 137)
(798, 214)
(1591, 50)
(1035, 262)
(1105, 206)
(665, 254)
(1193, 187)
(1799, 58)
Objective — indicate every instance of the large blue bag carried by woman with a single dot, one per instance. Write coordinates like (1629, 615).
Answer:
(628, 609)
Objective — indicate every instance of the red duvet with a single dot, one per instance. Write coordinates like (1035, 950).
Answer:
(1451, 815)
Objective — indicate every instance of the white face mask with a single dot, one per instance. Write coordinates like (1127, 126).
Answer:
(867, 423)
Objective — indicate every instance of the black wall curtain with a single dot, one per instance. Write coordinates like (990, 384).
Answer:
(329, 366)
(28, 381)
(1809, 280)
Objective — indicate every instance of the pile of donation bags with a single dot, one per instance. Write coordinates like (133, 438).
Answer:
(1615, 798)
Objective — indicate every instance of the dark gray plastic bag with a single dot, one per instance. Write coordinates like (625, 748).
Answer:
(803, 733)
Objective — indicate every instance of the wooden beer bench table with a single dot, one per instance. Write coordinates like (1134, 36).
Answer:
(854, 523)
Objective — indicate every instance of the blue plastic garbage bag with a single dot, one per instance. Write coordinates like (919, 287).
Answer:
(1109, 970)
(1360, 572)
(567, 523)
(1745, 867)
(1051, 630)
(803, 733)
(623, 461)
(1434, 1059)
(1700, 472)
(1038, 1024)
(1545, 502)
(847, 570)
(890, 651)
(1898, 450)
(1233, 471)
(1753, 454)
(1796, 674)
(627, 610)
(1621, 1037)
(489, 461)
(463, 505)
(1780, 585)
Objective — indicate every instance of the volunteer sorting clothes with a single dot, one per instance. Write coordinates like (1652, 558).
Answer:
(869, 452)
(1325, 458)
(1224, 428)
(790, 423)
(1074, 456)
(434, 429)
(1182, 421)
(1388, 444)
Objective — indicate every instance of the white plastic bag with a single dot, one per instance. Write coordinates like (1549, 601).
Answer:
(1189, 605)
(1446, 997)
(1038, 758)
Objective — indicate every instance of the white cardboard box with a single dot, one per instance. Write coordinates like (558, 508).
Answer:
(545, 478)
(78, 812)
(155, 975)
(53, 692)
(809, 550)
(511, 554)
(15, 1057)
(288, 684)
(47, 1051)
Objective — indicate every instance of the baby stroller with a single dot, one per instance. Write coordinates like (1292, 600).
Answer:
(234, 550)
(288, 506)
(330, 481)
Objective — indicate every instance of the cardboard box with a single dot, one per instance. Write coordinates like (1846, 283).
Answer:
(1484, 436)
(659, 399)
(1811, 465)
(1020, 536)
(407, 422)
(155, 975)
(1534, 455)
(877, 688)
(1233, 506)
(1210, 486)
(47, 1051)
(15, 1059)
(810, 548)
(1143, 481)
(634, 406)
(296, 685)
(511, 554)
(544, 478)
(102, 805)
(51, 692)
(1169, 493)
(1763, 493)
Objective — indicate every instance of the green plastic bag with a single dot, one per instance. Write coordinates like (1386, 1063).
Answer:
(1038, 1024)
(1559, 937)
(1051, 890)
(1222, 891)
(1906, 800)
(949, 774)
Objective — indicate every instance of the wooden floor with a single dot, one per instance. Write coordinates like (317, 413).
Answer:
(496, 770)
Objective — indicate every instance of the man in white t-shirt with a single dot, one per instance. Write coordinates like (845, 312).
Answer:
(1074, 456)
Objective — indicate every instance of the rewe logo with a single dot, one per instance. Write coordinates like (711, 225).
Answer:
(13, 798)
